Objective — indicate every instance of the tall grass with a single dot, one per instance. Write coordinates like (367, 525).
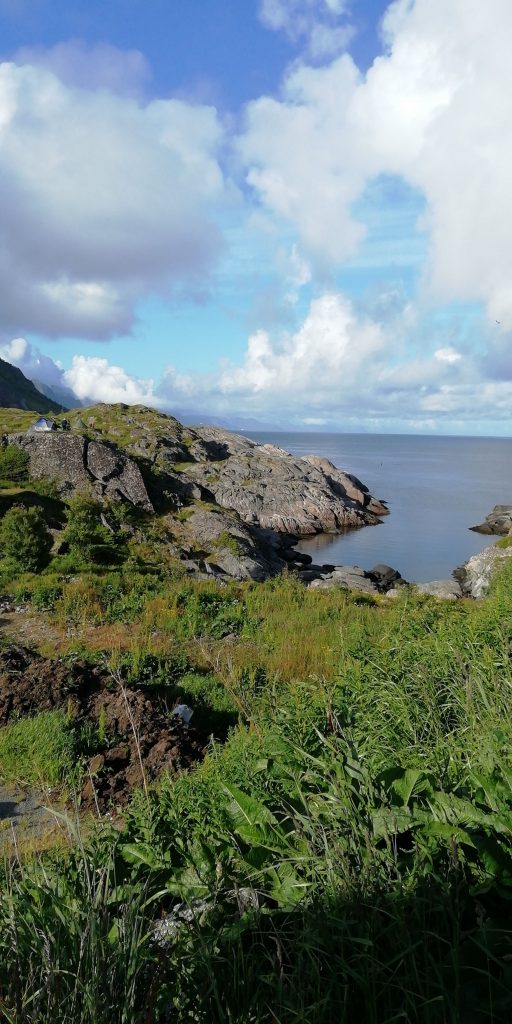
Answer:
(345, 855)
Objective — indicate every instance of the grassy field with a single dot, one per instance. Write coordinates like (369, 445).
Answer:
(344, 855)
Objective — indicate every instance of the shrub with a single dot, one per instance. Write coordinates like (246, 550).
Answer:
(25, 540)
(14, 463)
(88, 539)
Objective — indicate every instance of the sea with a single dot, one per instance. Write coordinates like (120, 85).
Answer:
(435, 487)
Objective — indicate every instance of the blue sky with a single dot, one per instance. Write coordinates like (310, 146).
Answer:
(286, 212)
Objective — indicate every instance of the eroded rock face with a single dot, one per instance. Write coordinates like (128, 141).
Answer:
(78, 464)
(272, 489)
(476, 574)
(220, 544)
(499, 521)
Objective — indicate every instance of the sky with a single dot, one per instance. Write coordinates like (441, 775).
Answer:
(275, 214)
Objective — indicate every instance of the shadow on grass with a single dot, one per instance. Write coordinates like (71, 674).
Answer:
(430, 958)
(434, 955)
(53, 508)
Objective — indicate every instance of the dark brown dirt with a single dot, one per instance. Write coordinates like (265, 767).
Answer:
(142, 737)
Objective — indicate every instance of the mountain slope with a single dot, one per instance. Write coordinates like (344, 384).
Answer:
(17, 392)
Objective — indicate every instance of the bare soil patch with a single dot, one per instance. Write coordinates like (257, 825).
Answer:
(142, 737)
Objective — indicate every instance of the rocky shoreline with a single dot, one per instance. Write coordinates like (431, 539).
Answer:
(231, 508)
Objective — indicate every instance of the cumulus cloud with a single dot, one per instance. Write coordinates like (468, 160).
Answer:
(328, 352)
(101, 66)
(342, 370)
(338, 369)
(104, 200)
(89, 378)
(94, 379)
(31, 361)
(322, 24)
(433, 109)
(300, 158)
(333, 369)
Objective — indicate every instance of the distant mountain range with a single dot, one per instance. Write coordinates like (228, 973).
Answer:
(17, 392)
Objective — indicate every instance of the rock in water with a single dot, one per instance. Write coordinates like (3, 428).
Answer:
(499, 521)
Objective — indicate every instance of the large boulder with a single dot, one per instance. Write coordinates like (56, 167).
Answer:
(219, 544)
(378, 580)
(476, 574)
(78, 464)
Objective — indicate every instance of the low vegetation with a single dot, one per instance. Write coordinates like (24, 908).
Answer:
(343, 849)
(38, 751)
(344, 854)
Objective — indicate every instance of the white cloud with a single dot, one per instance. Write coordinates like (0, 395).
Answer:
(301, 160)
(94, 379)
(328, 354)
(89, 379)
(342, 370)
(338, 369)
(447, 354)
(103, 201)
(434, 109)
(315, 21)
(101, 66)
(33, 363)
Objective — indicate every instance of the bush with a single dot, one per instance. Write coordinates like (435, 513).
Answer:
(14, 463)
(25, 540)
(87, 538)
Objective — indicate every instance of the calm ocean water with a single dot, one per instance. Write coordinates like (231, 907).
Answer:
(436, 487)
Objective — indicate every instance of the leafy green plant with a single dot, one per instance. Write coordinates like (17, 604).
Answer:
(25, 540)
(87, 537)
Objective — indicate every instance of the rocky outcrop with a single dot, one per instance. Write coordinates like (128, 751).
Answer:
(378, 580)
(217, 543)
(78, 464)
(476, 574)
(232, 507)
(448, 590)
(272, 489)
(499, 521)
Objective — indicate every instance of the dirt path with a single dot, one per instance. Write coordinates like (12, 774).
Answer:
(27, 818)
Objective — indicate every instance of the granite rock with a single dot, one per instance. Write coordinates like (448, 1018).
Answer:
(499, 521)
(78, 464)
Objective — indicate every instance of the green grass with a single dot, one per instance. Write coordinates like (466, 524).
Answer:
(37, 751)
(504, 542)
(345, 848)
(13, 421)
